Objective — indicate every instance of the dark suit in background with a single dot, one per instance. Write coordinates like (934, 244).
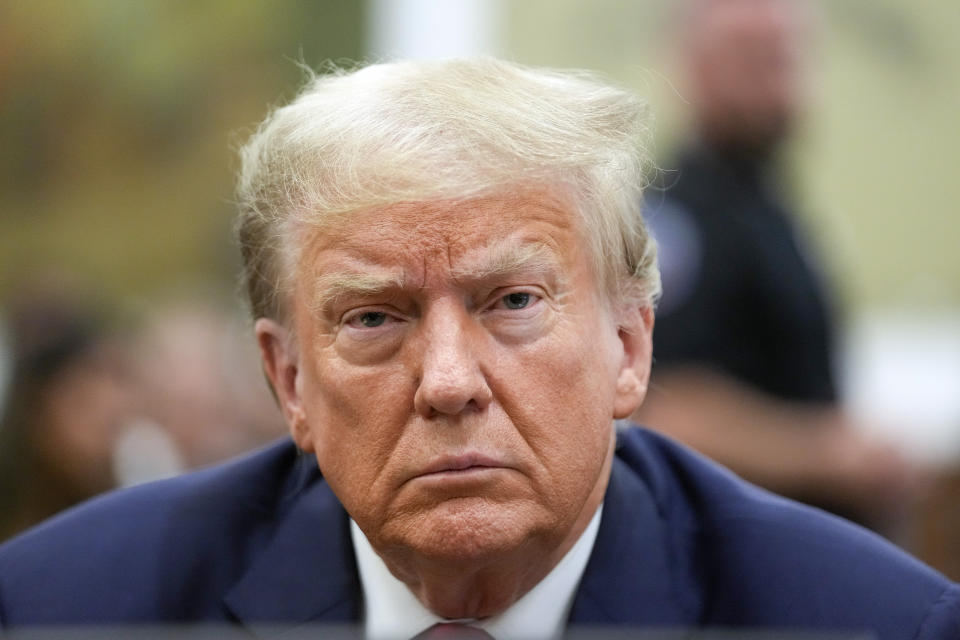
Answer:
(740, 294)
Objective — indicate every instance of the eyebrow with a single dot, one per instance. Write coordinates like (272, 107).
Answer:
(506, 258)
(331, 287)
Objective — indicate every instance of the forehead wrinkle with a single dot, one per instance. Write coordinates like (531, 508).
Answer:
(336, 285)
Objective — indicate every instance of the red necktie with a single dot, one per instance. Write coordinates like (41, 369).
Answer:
(452, 631)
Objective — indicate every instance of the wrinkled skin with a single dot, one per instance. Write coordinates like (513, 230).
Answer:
(456, 369)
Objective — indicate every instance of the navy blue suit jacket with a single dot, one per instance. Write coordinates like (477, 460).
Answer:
(682, 543)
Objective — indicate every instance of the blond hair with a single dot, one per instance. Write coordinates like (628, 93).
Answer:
(454, 129)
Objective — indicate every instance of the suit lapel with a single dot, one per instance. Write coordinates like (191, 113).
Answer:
(632, 577)
(307, 571)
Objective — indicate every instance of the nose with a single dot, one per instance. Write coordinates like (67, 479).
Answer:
(451, 379)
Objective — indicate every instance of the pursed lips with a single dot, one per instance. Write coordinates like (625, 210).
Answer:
(460, 463)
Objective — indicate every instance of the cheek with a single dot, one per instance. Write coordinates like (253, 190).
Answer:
(355, 415)
(559, 393)
(578, 366)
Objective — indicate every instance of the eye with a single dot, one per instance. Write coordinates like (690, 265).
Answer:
(368, 320)
(516, 300)
(372, 318)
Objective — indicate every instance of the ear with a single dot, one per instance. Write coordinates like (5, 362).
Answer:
(635, 332)
(281, 364)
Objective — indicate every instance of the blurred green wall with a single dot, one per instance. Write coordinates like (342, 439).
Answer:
(119, 122)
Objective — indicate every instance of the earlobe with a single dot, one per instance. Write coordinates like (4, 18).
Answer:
(281, 364)
(636, 336)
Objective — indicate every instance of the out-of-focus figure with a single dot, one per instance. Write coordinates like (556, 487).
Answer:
(743, 351)
(85, 410)
(67, 397)
(201, 386)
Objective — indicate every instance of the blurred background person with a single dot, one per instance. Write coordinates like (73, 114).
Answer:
(744, 343)
(86, 408)
(201, 391)
(67, 398)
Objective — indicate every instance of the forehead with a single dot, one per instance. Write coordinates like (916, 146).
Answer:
(450, 231)
(728, 22)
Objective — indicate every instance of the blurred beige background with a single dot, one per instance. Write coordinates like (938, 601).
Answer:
(874, 169)
(118, 122)
(877, 162)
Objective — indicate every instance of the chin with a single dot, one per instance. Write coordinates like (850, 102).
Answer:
(472, 530)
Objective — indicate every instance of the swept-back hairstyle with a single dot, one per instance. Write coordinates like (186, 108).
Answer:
(452, 129)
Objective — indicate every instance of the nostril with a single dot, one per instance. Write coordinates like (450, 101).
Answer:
(472, 407)
(450, 395)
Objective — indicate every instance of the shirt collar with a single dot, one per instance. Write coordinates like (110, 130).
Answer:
(392, 611)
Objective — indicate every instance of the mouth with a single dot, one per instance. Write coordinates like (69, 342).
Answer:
(460, 465)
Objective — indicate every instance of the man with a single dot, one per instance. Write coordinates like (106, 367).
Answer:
(453, 296)
(744, 343)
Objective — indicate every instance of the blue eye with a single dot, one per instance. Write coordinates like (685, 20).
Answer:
(372, 319)
(517, 300)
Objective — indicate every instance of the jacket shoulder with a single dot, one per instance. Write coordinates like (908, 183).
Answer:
(136, 548)
(763, 560)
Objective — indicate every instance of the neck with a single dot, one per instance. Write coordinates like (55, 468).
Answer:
(740, 141)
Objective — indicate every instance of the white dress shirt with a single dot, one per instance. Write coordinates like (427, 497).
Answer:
(391, 611)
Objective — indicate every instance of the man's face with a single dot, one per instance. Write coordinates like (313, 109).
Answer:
(456, 373)
(747, 67)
